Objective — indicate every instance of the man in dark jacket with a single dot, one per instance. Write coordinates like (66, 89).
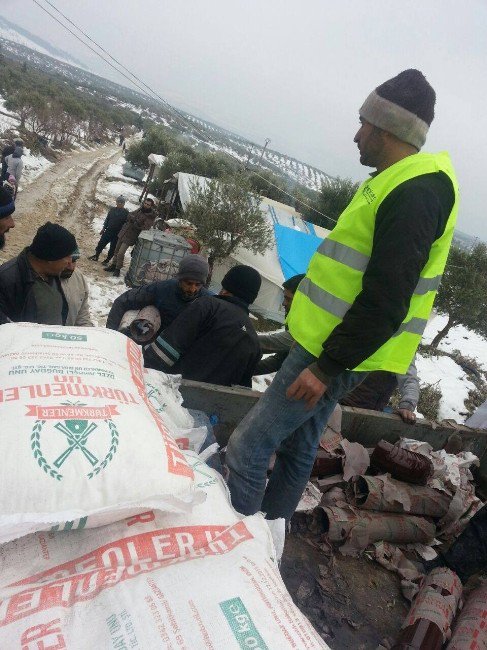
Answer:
(7, 208)
(112, 226)
(30, 287)
(169, 296)
(137, 221)
(213, 340)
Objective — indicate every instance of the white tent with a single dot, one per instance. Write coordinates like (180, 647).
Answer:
(270, 296)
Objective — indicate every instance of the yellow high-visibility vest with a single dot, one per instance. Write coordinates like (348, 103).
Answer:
(334, 276)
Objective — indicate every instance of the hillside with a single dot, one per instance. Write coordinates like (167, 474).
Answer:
(22, 46)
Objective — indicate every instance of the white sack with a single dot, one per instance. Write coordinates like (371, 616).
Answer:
(203, 580)
(81, 444)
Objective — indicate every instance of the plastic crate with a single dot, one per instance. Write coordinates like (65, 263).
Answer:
(156, 256)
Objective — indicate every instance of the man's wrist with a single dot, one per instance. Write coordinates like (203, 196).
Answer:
(319, 374)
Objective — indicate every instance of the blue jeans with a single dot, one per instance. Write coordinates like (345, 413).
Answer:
(277, 424)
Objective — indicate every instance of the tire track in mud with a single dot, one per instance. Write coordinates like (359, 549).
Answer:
(64, 194)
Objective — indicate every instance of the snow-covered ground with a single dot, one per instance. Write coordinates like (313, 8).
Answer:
(460, 338)
(105, 290)
(440, 371)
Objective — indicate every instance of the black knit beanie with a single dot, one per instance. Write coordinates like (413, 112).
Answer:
(244, 282)
(7, 205)
(403, 106)
(53, 242)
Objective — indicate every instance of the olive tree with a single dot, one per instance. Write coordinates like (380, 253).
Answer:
(227, 215)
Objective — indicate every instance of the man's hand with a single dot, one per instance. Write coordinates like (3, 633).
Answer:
(308, 387)
(407, 416)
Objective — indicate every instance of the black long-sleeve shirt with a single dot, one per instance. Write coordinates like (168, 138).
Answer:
(409, 220)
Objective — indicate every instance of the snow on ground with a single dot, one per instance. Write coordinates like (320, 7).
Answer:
(451, 380)
(108, 190)
(102, 295)
(458, 338)
(34, 166)
(103, 291)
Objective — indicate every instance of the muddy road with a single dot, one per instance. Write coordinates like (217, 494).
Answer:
(66, 194)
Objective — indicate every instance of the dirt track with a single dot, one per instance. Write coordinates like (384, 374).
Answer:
(65, 193)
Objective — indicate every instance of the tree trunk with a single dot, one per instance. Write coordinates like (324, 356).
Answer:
(442, 333)
(211, 262)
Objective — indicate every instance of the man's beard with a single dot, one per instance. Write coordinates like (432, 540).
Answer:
(2, 241)
(67, 273)
(146, 210)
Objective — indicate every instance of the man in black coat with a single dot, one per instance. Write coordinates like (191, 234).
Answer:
(213, 340)
(30, 286)
(114, 221)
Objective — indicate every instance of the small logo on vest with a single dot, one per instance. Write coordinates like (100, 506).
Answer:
(368, 194)
(78, 433)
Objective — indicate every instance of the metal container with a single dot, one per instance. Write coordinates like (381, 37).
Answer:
(156, 256)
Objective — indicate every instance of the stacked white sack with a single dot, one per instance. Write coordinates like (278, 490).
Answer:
(202, 580)
(81, 443)
(163, 393)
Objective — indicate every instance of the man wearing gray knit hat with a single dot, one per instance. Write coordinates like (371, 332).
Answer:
(170, 297)
(364, 302)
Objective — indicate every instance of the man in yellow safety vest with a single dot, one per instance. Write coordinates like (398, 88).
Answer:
(365, 300)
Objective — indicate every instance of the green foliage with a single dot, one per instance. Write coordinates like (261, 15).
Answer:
(226, 215)
(157, 140)
(429, 401)
(50, 106)
(462, 295)
(333, 199)
(202, 161)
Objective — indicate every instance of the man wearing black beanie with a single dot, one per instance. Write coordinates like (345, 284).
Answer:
(364, 302)
(30, 287)
(213, 340)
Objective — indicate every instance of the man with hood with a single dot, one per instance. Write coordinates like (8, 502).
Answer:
(137, 221)
(170, 297)
(213, 340)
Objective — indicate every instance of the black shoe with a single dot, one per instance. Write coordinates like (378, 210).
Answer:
(107, 261)
(93, 258)
(110, 268)
(116, 273)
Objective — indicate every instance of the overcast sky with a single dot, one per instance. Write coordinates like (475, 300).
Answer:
(297, 71)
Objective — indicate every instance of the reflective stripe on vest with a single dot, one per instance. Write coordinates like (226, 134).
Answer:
(334, 276)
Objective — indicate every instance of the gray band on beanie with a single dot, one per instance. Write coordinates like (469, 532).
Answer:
(395, 119)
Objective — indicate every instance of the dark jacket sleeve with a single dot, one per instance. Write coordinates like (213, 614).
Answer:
(409, 220)
(107, 219)
(132, 299)
(250, 370)
(180, 335)
(3, 310)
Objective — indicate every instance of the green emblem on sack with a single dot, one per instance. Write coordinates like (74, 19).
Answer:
(81, 436)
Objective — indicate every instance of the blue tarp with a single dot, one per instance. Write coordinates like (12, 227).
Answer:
(294, 249)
